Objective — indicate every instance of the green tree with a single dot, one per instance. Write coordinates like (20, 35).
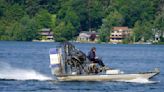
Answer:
(67, 22)
(68, 14)
(30, 29)
(78, 15)
(16, 32)
(2, 32)
(90, 13)
(113, 19)
(53, 21)
(14, 12)
(95, 13)
(32, 7)
(64, 31)
(43, 19)
(25, 30)
(135, 10)
(143, 31)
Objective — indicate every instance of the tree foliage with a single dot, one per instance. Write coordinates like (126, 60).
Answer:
(21, 19)
(113, 19)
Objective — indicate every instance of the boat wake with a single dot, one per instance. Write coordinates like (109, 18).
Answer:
(8, 72)
(139, 80)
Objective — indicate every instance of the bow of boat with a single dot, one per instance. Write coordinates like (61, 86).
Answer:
(150, 74)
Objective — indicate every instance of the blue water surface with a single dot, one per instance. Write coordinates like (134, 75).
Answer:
(20, 61)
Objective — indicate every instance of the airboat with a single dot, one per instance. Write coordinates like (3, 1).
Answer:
(68, 63)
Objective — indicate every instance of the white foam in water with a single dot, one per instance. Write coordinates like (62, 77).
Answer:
(8, 72)
(139, 80)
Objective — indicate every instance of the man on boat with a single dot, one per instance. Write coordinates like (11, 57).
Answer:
(92, 57)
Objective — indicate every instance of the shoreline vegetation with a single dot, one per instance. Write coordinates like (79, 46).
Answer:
(139, 43)
(22, 20)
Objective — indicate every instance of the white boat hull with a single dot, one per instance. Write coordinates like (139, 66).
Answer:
(109, 77)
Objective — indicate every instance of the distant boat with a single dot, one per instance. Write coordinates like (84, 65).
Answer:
(72, 65)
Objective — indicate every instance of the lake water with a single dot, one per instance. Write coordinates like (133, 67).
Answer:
(24, 66)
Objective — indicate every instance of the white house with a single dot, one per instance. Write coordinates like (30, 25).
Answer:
(86, 36)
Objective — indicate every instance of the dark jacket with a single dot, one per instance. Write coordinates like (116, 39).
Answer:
(91, 55)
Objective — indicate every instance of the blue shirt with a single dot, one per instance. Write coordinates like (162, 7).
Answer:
(91, 55)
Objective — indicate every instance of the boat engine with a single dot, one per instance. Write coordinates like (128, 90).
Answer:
(55, 61)
(74, 58)
(72, 61)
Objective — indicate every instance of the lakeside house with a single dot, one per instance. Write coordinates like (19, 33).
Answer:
(118, 34)
(157, 36)
(46, 35)
(85, 36)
